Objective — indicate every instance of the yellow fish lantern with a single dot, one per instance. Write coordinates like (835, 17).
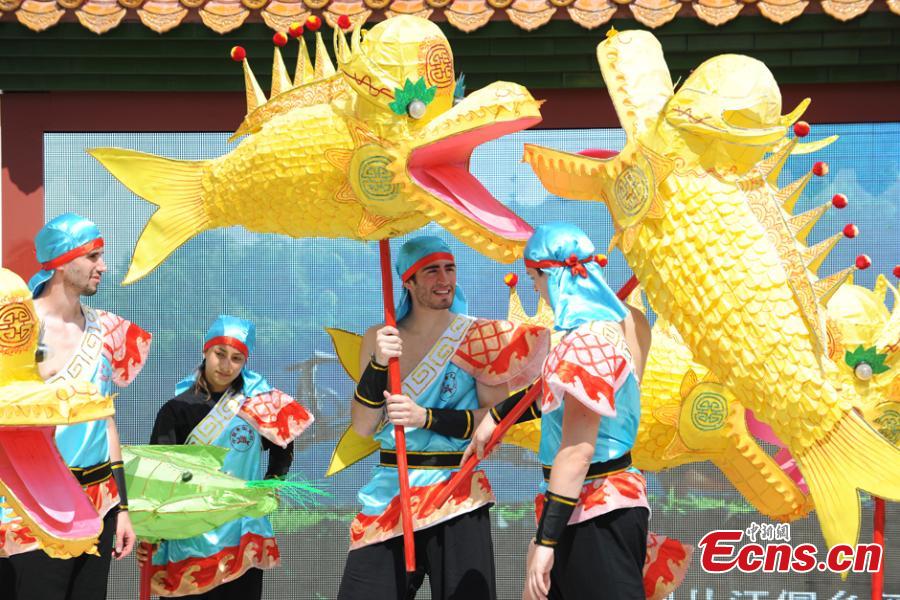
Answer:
(371, 150)
(870, 337)
(40, 499)
(711, 237)
(688, 417)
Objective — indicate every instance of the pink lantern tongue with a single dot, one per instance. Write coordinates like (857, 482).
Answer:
(471, 196)
(761, 431)
(31, 467)
(783, 457)
(786, 461)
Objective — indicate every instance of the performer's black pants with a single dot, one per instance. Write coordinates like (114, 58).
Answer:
(457, 556)
(602, 558)
(246, 587)
(39, 577)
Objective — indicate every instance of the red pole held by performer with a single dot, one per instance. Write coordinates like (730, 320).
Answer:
(878, 538)
(502, 427)
(507, 422)
(395, 383)
(146, 573)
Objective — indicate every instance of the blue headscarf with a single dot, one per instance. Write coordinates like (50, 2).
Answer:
(239, 334)
(578, 292)
(415, 254)
(62, 240)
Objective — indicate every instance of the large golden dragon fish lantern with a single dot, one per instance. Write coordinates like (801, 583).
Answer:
(40, 499)
(703, 225)
(373, 150)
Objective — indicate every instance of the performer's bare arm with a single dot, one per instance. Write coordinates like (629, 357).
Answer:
(637, 335)
(488, 396)
(124, 532)
(365, 420)
(570, 467)
(576, 448)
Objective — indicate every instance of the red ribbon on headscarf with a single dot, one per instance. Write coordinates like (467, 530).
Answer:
(225, 340)
(572, 263)
(72, 254)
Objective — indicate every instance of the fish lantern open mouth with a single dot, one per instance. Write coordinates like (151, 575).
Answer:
(372, 149)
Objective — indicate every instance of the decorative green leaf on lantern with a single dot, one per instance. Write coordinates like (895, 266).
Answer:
(412, 91)
(870, 356)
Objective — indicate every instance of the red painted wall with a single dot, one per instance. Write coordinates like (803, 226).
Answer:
(24, 118)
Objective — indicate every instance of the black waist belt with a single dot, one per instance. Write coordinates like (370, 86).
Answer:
(92, 475)
(423, 460)
(600, 469)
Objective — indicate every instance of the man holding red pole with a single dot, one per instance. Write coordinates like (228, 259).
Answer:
(454, 368)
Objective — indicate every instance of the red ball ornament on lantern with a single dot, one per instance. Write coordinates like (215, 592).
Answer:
(839, 201)
(344, 22)
(511, 279)
(801, 129)
(820, 169)
(897, 271)
(851, 230)
(313, 23)
(238, 53)
(295, 30)
(863, 262)
(280, 39)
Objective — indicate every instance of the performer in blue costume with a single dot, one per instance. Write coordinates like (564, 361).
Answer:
(223, 403)
(591, 539)
(454, 367)
(83, 344)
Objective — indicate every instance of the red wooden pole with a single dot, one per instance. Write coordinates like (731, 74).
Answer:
(878, 538)
(508, 421)
(395, 384)
(146, 572)
(502, 427)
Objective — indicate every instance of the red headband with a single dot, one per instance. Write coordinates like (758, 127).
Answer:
(224, 340)
(428, 258)
(72, 254)
(575, 266)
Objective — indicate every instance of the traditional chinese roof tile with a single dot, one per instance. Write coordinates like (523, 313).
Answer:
(224, 16)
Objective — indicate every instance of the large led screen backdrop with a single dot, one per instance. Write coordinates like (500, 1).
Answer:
(293, 289)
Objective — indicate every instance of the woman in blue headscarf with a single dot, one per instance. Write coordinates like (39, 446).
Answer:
(591, 537)
(223, 403)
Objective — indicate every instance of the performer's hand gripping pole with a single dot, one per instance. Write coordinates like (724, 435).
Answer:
(390, 319)
(507, 422)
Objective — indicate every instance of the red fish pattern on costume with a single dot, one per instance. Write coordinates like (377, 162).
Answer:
(591, 364)
(473, 493)
(125, 345)
(199, 575)
(496, 352)
(276, 416)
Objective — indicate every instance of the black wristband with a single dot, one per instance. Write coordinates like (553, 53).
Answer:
(450, 422)
(554, 519)
(118, 474)
(372, 384)
(503, 408)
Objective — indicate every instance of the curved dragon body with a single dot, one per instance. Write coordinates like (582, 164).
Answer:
(709, 235)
